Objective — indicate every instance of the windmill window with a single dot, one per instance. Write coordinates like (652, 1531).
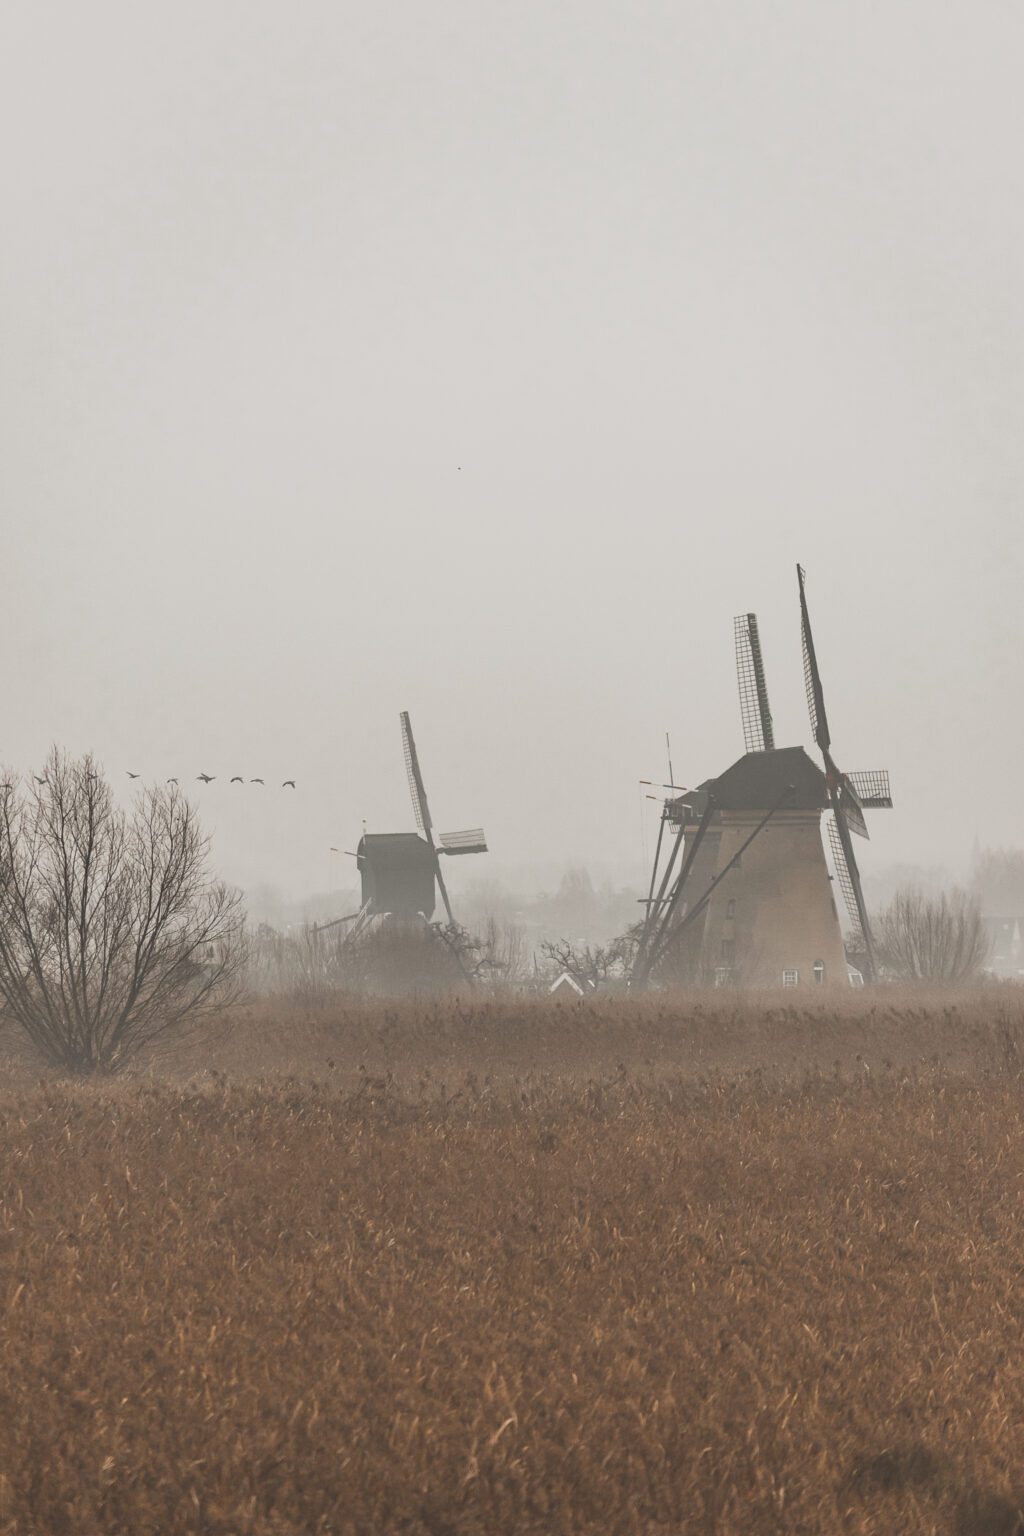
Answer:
(791, 978)
(730, 907)
(819, 971)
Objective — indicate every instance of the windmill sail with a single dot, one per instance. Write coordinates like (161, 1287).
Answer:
(845, 883)
(758, 735)
(463, 842)
(412, 767)
(850, 808)
(871, 786)
(812, 679)
(450, 843)
(847, 814)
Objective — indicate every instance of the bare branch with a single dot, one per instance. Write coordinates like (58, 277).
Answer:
(112, 932)
(933, 938)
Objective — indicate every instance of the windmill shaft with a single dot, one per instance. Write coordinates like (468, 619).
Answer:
(655, 926)
(657, 861)
(441, 884)
(666, 916)
(649, 919)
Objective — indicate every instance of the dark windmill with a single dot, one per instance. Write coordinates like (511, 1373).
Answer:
(849, 794)
(401, 871)
(751, 898)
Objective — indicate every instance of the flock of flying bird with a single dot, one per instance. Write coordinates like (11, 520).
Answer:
(204, 778)
(208, 778)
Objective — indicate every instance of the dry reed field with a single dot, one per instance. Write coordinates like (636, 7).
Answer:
(660, 1267)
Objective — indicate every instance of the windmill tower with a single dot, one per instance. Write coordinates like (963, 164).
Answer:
(401, 871)
(752, 899)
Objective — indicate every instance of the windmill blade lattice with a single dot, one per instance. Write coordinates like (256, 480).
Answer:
(420, 807)
(472, 841)
(847, 815)
(843, 877)
(758, 734)
(871, 786)
(812, 680)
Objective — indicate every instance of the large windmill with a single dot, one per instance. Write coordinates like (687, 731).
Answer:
(400, 870)
(751, 898)
(849, 794)
(716, 825)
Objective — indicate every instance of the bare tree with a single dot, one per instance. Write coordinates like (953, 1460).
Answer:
(593, 965)
(112, 932)
(932, 938)
(496, 955)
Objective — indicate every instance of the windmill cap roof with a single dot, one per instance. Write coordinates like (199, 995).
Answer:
(393, 849)
(757, 781)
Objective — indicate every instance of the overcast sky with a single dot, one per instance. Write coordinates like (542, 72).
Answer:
(483, 360)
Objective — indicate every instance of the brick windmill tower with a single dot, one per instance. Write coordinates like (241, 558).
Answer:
(752, 902)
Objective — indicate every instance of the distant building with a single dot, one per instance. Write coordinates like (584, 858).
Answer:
(1006, 953)
(567, 985)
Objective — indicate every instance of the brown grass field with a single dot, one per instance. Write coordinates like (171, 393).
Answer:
(650, 1267)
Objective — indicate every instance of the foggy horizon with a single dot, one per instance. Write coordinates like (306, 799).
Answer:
(485, 364)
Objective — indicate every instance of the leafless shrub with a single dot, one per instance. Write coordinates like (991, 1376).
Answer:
(591, 964)
(112, 933)
(311, 965)
(306, 964)
(933, 938)
(503, 954)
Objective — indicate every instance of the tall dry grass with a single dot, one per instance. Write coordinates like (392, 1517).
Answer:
(631, 1285)
(687, 1032)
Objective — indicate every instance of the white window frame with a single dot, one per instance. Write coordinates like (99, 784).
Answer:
(790, 978)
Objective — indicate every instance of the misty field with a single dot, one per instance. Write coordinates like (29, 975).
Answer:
(648, 1267)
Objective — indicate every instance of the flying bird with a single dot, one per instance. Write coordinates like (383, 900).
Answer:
(255, 781)
(288, 784)
(207, 778)
(38, 779)
(237, 779)
(172, 781)
(132, 775)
